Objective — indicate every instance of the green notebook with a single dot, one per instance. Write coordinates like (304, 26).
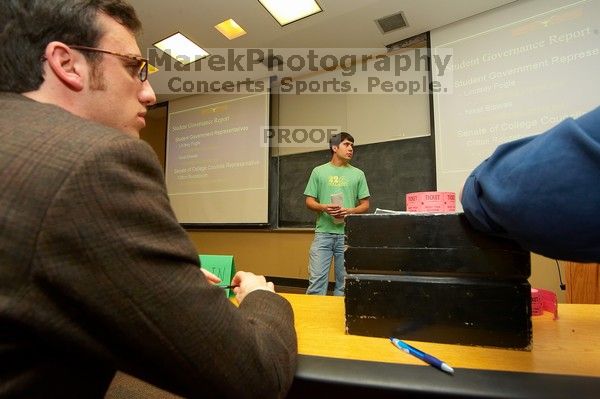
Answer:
(222, 266)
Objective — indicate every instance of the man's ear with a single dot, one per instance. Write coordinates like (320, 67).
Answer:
(68, 66)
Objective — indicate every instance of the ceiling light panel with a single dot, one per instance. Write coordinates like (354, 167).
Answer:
(181, 48)
(288, 11)
(230, 29)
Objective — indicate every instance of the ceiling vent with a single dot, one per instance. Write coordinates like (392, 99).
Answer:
(391, 22)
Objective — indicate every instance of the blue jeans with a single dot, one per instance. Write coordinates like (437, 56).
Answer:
(323, 248)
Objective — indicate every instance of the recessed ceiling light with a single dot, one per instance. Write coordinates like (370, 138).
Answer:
(230, 29)
(286, 11)
(152, 69)
(181, 48)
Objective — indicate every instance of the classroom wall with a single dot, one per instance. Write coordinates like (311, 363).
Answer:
(284, 253)
(544, 274)
(154, 132)
(271, 253)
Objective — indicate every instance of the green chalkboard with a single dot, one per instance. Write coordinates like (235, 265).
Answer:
(393, 169)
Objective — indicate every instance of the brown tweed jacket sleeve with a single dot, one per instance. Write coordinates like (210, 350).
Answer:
(106, 279)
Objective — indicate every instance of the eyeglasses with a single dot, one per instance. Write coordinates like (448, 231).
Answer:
(140, 67)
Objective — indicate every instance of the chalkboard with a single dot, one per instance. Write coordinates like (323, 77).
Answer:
(393, 169)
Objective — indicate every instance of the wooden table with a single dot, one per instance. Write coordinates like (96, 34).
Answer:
(564, 360)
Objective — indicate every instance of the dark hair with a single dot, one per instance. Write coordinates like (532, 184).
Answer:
(27, 26)
(336, 139)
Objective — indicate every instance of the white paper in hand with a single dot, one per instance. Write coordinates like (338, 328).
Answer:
(338, 199)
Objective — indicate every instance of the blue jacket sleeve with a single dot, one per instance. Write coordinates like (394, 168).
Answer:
(543, 191)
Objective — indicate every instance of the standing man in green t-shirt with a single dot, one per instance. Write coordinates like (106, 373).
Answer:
(334, 190)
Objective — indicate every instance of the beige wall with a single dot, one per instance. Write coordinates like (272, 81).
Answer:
(154, 132)
(273, 253)
(284, 253)
(544, 274)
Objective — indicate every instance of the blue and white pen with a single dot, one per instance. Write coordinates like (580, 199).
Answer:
(411, 350)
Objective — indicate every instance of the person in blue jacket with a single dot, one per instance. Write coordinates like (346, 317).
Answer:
(543, 191)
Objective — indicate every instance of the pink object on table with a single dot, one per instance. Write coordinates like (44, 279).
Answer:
(543, 300)
(431, 201)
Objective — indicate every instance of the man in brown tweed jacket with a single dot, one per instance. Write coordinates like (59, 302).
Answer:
(96, 274)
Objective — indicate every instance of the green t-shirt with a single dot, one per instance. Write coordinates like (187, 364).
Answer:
(329, 179)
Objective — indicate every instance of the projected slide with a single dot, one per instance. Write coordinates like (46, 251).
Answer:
(517, 70)
(217, 166)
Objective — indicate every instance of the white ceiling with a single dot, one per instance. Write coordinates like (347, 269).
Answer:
(341, 24)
